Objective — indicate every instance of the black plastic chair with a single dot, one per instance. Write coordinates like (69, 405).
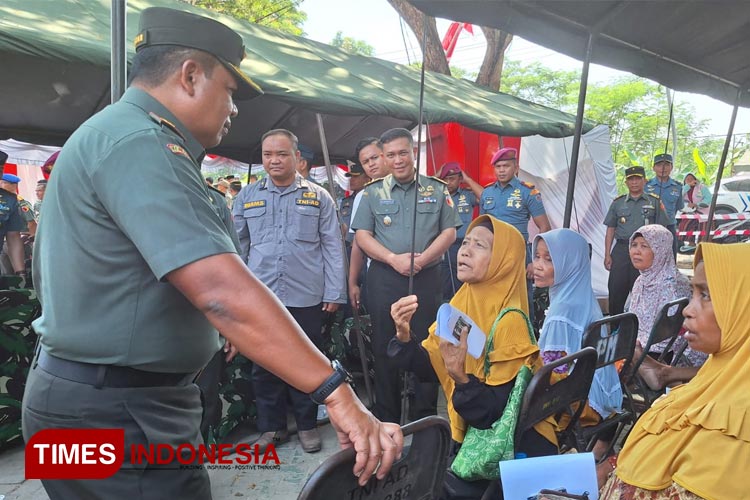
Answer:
(543, 398)
(666, 327)
(418, 475)
(612, 345)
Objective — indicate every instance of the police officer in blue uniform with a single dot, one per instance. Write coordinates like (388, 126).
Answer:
(668, 190)
(515, 202)
(11, 224)
(464, 201)
(290, 239)
(626, 215)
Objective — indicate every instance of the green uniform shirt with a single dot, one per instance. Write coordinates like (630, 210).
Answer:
(105, 244)
(386, 210)
(627, 214)
(26, 211)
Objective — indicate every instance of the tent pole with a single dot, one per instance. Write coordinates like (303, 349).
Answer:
(577, 137)
(119, 53)
(707, 237)
(355, 310)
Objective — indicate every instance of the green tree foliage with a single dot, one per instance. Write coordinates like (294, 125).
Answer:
(352, 45)
(282, 15)
(635, 110)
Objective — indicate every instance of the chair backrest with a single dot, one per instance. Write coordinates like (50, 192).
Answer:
(612, 344)
(418, 475)
(543, 398)
(668, 323)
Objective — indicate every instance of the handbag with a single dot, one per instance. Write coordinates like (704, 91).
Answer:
(483, 449)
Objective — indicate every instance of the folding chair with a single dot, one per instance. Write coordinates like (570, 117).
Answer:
(543, 398)
(418, 475)
(612, 345)
(666, 327)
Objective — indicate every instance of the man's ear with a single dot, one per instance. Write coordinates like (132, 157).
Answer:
(190, 71)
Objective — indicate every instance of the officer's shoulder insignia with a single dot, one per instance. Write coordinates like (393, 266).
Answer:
(166, 123)
(620, 197)
(535, 191)
(488, 185)
(177, 149)
(654, 195)
(374, 181)
(528, 185)
(216, 191)
(438, 179)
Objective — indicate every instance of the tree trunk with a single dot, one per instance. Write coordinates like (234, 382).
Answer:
(434, 55)
(494, 55)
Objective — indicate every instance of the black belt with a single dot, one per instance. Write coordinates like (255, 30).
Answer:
(109, 375)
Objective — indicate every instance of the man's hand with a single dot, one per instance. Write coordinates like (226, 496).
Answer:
(454, 357)
(230, 351)
(607, 262)
(330, 307)
(402, 311)
(355, 292)
(401, 263)
(376, 443)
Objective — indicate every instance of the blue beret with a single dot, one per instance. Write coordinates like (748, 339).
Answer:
(11, 178)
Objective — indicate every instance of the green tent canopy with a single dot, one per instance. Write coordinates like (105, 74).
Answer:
(55, 58)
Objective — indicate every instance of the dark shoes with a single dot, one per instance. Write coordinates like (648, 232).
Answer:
(310, 440)
(273, 437)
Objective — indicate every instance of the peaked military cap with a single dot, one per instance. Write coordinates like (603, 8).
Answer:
(663, 157)
(635, 171)
(355, 170)
(162, 26)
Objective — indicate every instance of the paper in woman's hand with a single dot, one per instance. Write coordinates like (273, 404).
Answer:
(450, 321)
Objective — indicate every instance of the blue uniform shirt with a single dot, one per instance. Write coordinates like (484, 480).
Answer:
(10, 217)
(515, 204)
(464, 201)
(670, 193)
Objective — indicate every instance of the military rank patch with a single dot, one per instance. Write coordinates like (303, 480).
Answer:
(254, 204)
(449, 201)
(309, 194)
(308, 202)
(178, 150)
(24, 208)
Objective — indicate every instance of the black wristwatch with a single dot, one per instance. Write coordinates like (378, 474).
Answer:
(338, 377)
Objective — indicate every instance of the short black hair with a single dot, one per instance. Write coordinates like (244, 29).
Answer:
(367, 141)
(235, 186)
(284, 132)
(396, 133)
(210, 180)
(153, 65)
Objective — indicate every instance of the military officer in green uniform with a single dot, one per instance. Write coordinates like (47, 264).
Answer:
(11, 225)
(132, 297)
(626, 215)
(383, 225)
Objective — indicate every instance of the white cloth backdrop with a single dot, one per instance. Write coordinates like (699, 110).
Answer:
(545, 162)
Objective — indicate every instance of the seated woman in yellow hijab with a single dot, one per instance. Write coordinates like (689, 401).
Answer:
(491, 264)
(695, 441)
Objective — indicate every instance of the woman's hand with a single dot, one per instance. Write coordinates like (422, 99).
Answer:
(401, 311)
(454, 357)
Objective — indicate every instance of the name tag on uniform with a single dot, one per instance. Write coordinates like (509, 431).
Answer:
(307, 202)
(254, 204)
(387, 202)
(427, 200)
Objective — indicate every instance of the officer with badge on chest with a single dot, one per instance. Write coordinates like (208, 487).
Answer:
(383, 225)
(515, 202)
(626, 215)
(120, 344)
(11, 225)
(291, 241)
(669, 192)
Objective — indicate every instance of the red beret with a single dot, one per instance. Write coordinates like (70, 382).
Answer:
(504, 154)
(450, 168)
